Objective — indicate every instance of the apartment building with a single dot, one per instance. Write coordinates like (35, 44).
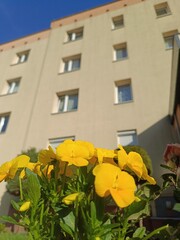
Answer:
(102, 75)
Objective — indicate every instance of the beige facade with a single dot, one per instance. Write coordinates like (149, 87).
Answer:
(115, 59)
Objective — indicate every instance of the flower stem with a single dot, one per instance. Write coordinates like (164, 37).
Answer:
(156, 231)
(20, 188)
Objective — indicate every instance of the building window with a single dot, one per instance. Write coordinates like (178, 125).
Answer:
(54, 142)
(4, 119)
(13, 86)
(75, 34)
(71, 64)
(123, 91)
(117, 22)
(21, 57)
(162, 9)
(120, 52)
(127, 137)
(169, 39)
(169, 42)
(66, 102)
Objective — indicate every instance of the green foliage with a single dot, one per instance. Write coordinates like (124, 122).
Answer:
(146, 159)
(56, 205)
(13, 236)
(13, 184)
(32, 153)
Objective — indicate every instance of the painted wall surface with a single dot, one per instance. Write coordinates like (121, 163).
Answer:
(148, 66)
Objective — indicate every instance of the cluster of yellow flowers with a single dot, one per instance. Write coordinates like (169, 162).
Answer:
(111, 168)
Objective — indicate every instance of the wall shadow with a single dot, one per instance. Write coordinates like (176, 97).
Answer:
(154, 141)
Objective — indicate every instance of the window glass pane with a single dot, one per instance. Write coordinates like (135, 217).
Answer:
(72, 102)
(79, 35)
(169, 42)
(161, 11)
(118, 22)
(127, 138)
(124, 93)
(75, 64)
(61, 104)
(66, 64)
(13, 87)
(3, 123)
(121, 53)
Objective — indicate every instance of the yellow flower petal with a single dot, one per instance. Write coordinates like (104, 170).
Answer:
(104, 155)
(70, 198)
(8, 170)
(18, 163)
(45, 156)
(109, 179)
(25, 206)
(74, 152)
(145, 176)
(4, 170)
(134, 162)
(122, 157)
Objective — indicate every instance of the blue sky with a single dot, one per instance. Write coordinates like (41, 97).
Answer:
(19, 18)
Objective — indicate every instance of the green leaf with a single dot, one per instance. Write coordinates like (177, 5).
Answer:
(15, 205)
(139, 233)
(152, 191)
(93, 214)
(33, 186)
(10, 220)
(166, 167)
(177, 207)
(69, 220)
(137, 210)
(169, 177)
(66, 229)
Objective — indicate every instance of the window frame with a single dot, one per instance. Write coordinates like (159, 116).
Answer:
(72, 35)
(121, 84)
(125, 133)
(65, 102)
(160, 7)
(11, 86)
(169, 36)
(21, 57)
(15, 85)
(120, 47)
(115, 20)
(4, 120)
(67, 64)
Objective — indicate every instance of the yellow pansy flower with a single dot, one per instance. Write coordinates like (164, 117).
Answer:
(110, 180)
(134, 162)
(8, 170)
(25, 206)
(75, 152)
(46, 156)
(4, 170)
(105, 155)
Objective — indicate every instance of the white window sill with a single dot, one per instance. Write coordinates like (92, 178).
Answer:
(69, 71)
(7, 94)
(70, 41)
(119, 103)
(56, 113)
(119, 60)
